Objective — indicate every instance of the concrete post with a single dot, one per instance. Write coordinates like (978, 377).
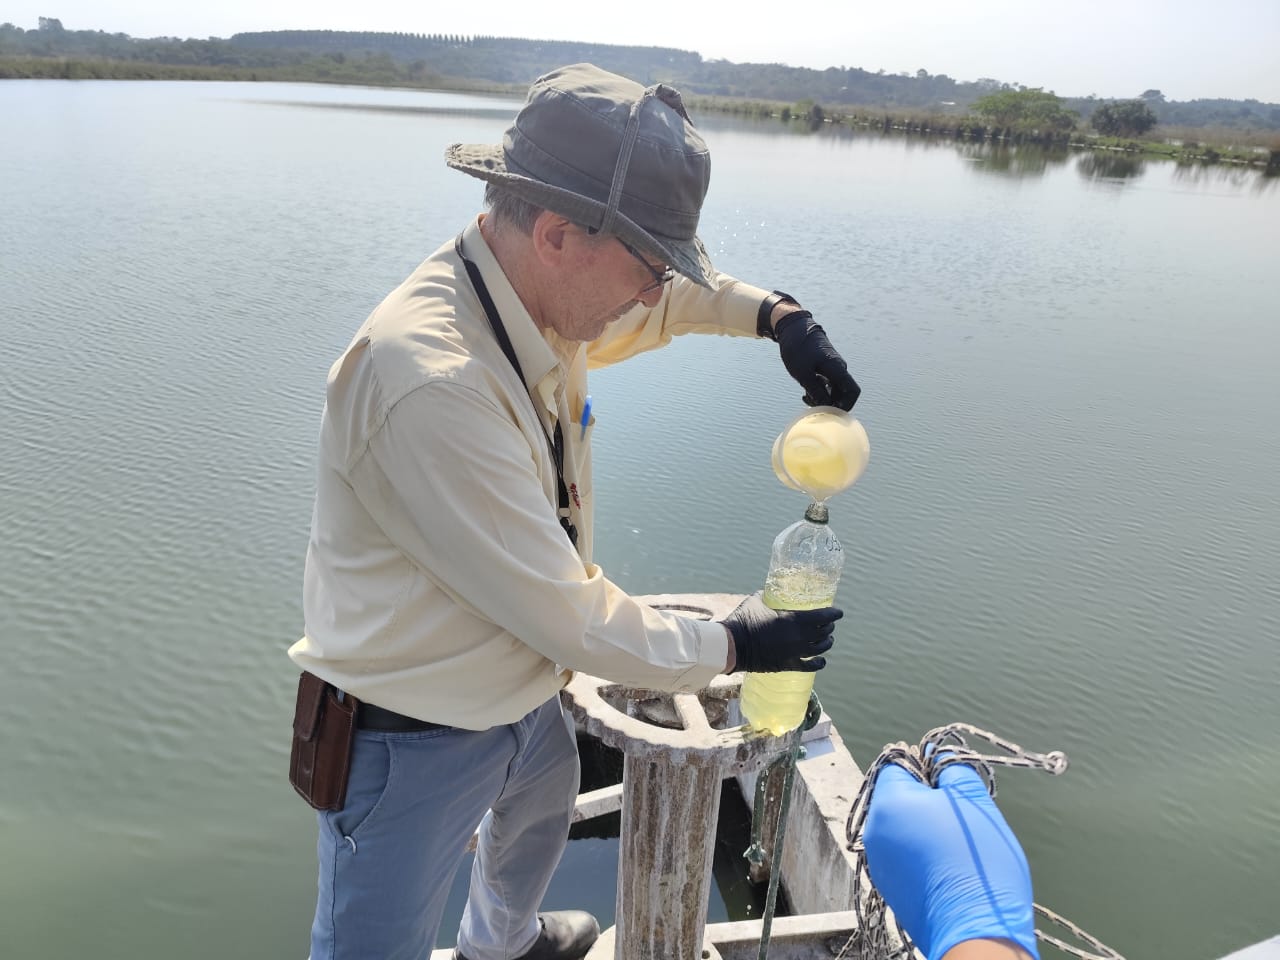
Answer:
(677, 752)
(664, 872)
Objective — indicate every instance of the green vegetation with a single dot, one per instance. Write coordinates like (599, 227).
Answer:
(919, 103)
(421, 59)
(1225, 146)
(370, 71)
(1126, 118)
(52, 52)
(1026, 109)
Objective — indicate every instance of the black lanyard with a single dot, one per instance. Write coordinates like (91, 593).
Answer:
(556, 443)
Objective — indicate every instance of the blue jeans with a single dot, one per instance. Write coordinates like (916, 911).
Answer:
(388, 858)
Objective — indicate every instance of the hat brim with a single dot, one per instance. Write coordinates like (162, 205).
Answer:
(488, 162)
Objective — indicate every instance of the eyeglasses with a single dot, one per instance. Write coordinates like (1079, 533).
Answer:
(660, 278)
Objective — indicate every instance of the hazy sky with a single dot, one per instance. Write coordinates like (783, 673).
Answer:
(1114, 48)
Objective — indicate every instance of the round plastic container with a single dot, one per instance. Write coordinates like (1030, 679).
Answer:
(821, 452)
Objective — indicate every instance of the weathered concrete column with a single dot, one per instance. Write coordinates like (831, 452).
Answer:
(664, 875)
(677, 752)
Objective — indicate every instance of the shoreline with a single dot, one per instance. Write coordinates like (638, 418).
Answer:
(1185, 148)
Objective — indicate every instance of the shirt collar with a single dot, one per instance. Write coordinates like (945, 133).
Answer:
(536, 356)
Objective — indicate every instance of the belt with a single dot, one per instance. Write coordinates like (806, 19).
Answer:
(371, 717)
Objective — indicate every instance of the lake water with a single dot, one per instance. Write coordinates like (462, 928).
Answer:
(1067, 532)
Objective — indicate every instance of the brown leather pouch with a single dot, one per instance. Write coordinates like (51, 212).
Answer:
(324, 730)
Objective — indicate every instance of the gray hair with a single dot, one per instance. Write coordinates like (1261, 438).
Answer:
(506, 208)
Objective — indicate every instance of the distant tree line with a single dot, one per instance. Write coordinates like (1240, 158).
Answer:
(426, 58)
(1035, 110)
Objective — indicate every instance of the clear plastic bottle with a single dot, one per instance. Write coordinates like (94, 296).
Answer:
(804, 571)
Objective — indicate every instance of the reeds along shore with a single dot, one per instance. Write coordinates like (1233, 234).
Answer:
(1205, 145)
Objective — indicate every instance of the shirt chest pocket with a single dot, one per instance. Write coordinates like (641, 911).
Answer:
(577, 470)
(580, 449)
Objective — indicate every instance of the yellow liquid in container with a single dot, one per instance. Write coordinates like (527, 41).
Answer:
(822, 453)
(775, 703)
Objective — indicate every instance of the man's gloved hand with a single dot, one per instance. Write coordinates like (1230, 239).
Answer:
(946, 861)
(770, 641)
(814, 363)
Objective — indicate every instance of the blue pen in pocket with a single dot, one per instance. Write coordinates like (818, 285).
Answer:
(586, 418)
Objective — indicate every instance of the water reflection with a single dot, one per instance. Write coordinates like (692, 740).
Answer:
(842, 133)
(410, 108)
(776, 127)
(1018, 160)
(1007, 160)
(1110, 166)
(1230, 174)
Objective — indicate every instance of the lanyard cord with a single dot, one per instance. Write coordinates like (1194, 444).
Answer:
(556, 444)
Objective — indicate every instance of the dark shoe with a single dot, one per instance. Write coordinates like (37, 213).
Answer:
(566, 935)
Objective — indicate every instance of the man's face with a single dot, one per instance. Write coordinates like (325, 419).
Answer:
(606, 280)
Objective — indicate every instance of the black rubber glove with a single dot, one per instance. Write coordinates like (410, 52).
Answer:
(814, 363)
(770, 641)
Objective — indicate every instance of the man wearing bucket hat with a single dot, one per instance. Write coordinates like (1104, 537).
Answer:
(449, 588)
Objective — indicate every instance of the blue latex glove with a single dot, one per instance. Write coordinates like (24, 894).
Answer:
(946, 861)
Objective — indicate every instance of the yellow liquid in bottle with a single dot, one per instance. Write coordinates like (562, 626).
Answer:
(824, 453)
(776, 702)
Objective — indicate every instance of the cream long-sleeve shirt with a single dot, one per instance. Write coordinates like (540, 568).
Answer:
(439, 582)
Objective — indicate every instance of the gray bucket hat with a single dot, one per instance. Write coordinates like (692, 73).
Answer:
(609, 154)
